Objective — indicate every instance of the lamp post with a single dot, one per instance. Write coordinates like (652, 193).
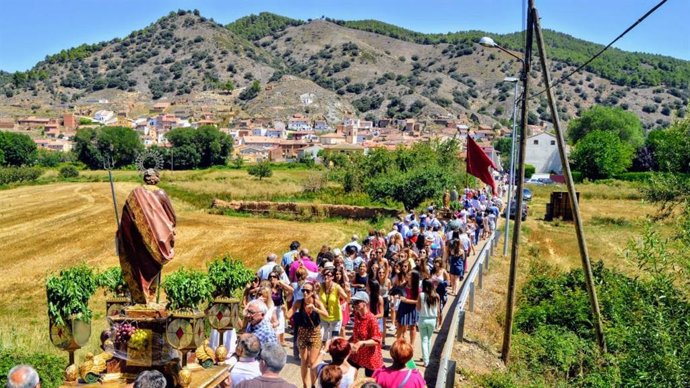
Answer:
(514, 254)
(488, 42)
(511, 174)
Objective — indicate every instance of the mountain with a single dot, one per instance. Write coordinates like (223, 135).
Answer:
(273, 66)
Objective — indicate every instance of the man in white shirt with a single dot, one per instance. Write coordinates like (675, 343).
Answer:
(289, 256)
(243, 364)
(267, 268)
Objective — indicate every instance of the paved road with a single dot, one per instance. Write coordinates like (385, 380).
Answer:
(292, 370)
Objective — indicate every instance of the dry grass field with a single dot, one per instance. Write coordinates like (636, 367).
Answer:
(49, 227)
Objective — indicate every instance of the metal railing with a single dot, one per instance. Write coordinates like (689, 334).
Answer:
(446, 369)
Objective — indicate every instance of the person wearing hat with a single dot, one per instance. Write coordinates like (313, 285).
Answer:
(366, 336)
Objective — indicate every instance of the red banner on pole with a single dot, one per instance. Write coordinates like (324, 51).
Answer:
(478, 163)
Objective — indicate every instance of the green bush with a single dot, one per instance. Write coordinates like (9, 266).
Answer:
(69, 293)
(529, 170)
(68, 171)
(644, 176)
(577, 176)
(19, 174)
(260, 170)
(187, 289)
(113, 281)
(645, 323)
(227, 275)
(50, 367)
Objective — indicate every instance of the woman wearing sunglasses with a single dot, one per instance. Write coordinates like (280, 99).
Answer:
(330, 295)
(308, 319)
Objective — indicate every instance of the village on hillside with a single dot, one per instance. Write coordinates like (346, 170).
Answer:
(287, 140)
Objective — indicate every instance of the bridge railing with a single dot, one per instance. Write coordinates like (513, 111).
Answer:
(446, 370)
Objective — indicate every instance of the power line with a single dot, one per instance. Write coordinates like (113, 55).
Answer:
(565, 77)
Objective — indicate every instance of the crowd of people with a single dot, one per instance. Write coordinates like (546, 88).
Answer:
(342, 303)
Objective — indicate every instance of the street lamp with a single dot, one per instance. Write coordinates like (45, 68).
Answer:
(511, 173)
(488, 42)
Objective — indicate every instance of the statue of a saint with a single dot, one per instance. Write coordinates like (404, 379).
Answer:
(146, 238)
(454, 194)
(446, 200)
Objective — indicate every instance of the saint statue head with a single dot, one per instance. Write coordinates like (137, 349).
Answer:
(151, 176)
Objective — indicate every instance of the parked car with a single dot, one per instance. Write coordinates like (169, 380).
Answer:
(513, 207)
(527, 194)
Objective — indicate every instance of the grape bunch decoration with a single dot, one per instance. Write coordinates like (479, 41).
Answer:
(123, 332)
(139, 340)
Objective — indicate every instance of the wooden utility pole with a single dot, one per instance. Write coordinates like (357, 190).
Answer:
(584, 255)
(510, 303)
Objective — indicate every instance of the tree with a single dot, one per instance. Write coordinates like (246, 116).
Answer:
(96, 146)
(625, 125)
(503, 146)
(601, 154)
(17, 149)
(260, 170)
(670, 147)
(251, 92)
(228, 86)
(203, 147)
(48, 158)
(238, 162)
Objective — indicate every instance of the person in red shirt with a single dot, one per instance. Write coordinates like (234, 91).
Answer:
(366, 337)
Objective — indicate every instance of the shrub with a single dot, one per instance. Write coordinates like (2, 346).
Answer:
(187, 289)
(50, 368)
(19, 174)
(529, 170)
(260, 170)
(642, 176)
(228, 275)
(113, 281)
(68, 172)
(645, 324)
(69, 293)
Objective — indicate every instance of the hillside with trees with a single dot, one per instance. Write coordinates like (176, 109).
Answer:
(364, 68)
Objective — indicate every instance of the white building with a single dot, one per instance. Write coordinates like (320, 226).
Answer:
(542, 153)
(105, 117)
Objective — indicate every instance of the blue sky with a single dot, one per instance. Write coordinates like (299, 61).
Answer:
(32, 29)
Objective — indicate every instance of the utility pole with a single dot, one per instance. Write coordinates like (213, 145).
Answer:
(514, 254)
(584, 255)
(511, 173)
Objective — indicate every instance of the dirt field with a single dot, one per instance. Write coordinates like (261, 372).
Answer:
(46, 228)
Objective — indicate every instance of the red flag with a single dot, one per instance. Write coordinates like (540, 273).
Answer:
(478, 163)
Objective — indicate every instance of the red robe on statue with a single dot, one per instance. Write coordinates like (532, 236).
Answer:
(146, 240)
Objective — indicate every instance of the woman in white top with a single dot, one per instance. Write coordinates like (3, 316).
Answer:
(428, 304)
